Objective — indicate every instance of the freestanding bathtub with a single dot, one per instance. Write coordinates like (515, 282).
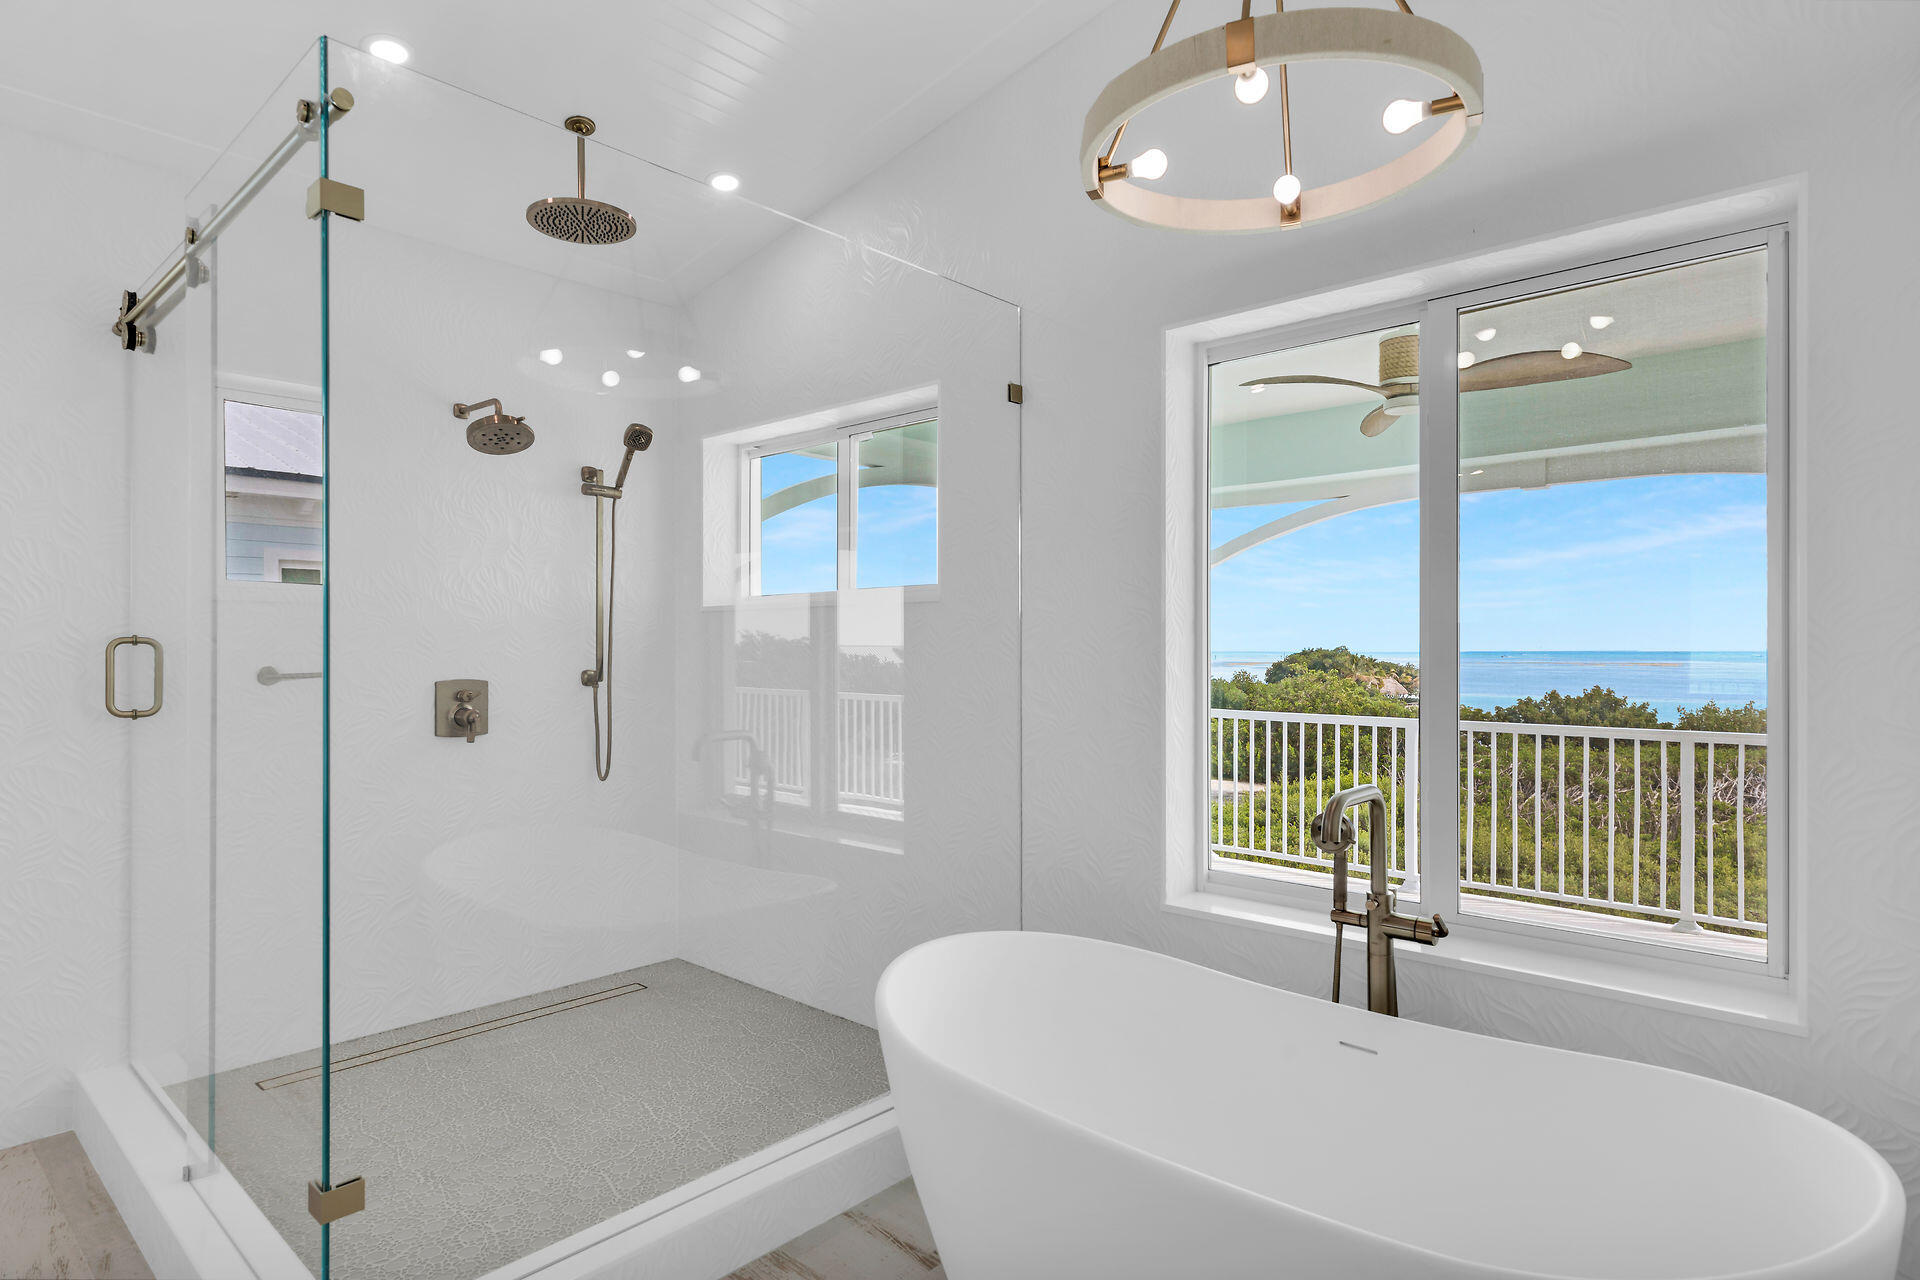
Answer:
(1074, 1109)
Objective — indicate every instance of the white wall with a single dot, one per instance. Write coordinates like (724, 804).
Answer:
(86, 230)
(1594, 112)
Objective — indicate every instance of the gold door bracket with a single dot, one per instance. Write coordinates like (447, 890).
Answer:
(1016, 394)
(329, 196)
(159, 678)
(330, 1204)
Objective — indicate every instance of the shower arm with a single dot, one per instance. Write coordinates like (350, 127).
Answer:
(462, 410)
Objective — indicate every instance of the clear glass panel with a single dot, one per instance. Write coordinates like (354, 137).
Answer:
(651, 977)
(227, 779)
(799, 521)
(1313, 599)
(274, 504)
(896, 532)
(1614, 580)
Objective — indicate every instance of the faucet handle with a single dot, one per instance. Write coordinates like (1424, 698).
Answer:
(1429, 933)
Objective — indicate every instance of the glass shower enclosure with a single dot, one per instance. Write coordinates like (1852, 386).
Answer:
(393, 926)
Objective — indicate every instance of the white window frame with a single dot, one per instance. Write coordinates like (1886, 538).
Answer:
(1438, 495)
(846, 438)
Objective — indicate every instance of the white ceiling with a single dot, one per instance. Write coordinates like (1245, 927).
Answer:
(801, 98)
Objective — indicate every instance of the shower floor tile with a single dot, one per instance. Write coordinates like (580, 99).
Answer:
(481, 1149)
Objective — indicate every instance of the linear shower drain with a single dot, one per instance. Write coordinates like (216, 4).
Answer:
(457, 1033)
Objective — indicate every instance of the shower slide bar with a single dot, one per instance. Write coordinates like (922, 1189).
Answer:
(154, 305)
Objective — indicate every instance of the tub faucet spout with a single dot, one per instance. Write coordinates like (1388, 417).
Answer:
(1333, 833)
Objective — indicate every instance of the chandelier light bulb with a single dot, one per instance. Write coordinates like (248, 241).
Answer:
(609, 379)
(1404, 113)
(1485, 335)
(1150, 164)
(1466, 359)
(688, 373)
(1251, 86)
(1286, 189)
(1570, 352)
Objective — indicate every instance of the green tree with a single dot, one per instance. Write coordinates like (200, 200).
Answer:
(1324, 692)
(1598, 706)
(1714, 718)
(1341, 661)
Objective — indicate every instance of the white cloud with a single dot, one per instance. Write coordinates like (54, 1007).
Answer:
(1713, 524)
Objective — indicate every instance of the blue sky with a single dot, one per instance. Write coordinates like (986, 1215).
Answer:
(1658, 562)
(896, 534)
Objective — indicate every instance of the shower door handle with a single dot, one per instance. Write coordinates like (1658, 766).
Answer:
(159, 678)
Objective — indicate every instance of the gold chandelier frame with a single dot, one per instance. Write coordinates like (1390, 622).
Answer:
(1396, 37)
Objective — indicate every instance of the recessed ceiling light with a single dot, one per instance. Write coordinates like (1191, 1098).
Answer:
(688, 373)
(1466, 359)
(1570, 351)
(724, 182)
(551, 355)
(634, 355)
(387, 49)
(1486, 335)
(609, 379)
(1599, 322)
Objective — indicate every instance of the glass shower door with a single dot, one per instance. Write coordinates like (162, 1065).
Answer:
(226, 779)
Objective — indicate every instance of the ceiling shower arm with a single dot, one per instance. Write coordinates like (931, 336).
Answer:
(154, 305)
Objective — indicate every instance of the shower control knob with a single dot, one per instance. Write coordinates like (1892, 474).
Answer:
(465, 717)
(460, 708)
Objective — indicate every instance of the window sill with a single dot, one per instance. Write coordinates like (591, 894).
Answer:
(922, 593)
(1767, 1002)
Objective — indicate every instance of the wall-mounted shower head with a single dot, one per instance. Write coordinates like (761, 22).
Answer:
(576, 219)
(498, 432)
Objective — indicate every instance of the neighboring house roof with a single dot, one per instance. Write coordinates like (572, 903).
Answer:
(263, 439)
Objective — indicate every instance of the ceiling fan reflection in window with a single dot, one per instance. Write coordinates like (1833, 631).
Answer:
(1399, 386)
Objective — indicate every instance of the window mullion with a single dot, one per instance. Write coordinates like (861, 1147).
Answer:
(1439, 610)
(844, 454)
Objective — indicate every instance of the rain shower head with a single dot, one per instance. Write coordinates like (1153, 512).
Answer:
(498, 432)
(576, 219)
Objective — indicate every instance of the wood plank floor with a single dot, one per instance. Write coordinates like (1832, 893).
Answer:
(886, 1238)
(57, 1221)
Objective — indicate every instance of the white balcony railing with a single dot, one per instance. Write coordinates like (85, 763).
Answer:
(1653, 824)
(1316, 755)
(868, 750)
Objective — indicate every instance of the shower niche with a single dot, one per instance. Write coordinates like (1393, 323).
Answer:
(549, 999)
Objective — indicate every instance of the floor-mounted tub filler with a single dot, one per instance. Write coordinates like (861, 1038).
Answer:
(1079, 1108)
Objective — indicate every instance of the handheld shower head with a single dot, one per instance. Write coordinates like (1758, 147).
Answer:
(498, 432)
(637, 438)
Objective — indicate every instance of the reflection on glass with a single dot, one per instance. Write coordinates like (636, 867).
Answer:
(896, 529)
(1613, 606)
(1313, 598)
(798, 524)
(273, 493)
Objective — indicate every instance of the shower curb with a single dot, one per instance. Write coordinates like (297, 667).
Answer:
(138, 1144)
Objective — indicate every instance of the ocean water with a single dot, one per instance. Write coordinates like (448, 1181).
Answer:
(1667, 679)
